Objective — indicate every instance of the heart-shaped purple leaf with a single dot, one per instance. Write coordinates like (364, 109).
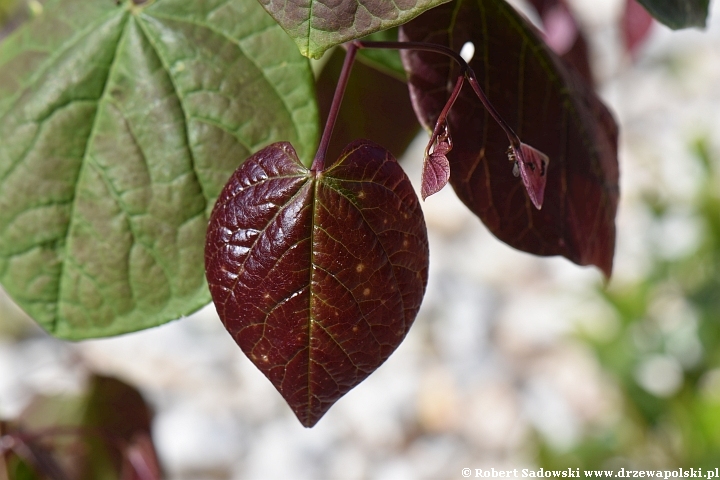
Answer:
(435, 173)
(317, 275)
(436, 167)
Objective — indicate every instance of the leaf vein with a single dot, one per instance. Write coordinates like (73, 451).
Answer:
(73, 206)
(238, 42)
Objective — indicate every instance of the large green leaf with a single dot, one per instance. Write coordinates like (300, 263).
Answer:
(678, 13)
(119, 125)
(317, 25)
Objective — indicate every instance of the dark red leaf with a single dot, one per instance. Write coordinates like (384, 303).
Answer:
(317, 276)
(636, 25)
(543, 5)
(117, 409)
(578, 58)
(547, 105)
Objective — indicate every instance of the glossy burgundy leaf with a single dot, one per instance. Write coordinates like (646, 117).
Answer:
(636, 25)
(547, 105)
(317, 276)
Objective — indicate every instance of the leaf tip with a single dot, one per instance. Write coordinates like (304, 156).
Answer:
(309, 419)
(606, 268)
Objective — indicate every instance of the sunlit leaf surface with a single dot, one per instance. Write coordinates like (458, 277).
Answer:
(119, 126)
(318, 25)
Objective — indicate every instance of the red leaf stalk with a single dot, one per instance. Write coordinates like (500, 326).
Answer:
(318, 164)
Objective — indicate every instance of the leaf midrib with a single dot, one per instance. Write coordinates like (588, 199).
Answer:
(83, 163)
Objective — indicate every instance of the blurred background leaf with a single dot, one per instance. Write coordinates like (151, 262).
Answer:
(101, 434)
(664, 356)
